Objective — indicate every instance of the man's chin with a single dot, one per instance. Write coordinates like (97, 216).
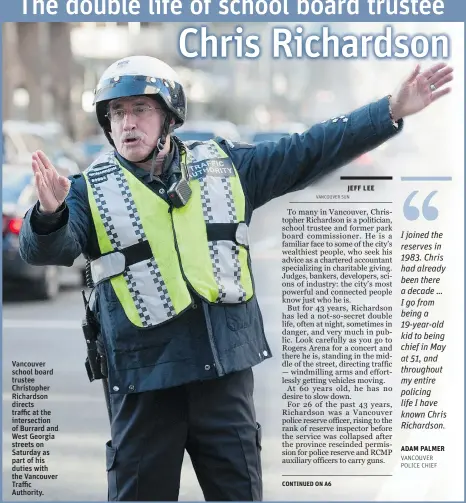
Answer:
(134, 154)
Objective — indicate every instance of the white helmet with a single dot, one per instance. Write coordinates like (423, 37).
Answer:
(140, 75)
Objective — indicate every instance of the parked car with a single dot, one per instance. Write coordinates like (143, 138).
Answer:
(275, 134)
(63, 145)
(18, 194)
(206, 130)
(92, 147)
(22, 138)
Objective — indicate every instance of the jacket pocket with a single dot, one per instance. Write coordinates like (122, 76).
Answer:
(238, 316)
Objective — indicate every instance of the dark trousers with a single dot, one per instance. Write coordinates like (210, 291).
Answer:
(213, 420)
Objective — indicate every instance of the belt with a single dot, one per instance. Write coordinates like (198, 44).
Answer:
(115, 263)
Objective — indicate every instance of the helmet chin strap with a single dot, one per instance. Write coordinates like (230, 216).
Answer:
(166, 130)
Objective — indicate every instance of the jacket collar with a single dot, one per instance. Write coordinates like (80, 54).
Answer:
(172, 157)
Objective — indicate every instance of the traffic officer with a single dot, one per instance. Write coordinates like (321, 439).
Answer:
(164, 225)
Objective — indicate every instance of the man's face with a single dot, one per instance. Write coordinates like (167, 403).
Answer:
(136, 124)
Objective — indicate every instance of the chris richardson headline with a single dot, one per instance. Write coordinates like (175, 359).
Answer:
(294, 43)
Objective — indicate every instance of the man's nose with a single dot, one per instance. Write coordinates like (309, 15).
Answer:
(129, 121)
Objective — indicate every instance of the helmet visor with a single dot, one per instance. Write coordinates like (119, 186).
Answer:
(135, 85)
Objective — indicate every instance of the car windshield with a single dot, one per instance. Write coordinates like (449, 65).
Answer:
(195, 135)
(13, 183)
(269, 136)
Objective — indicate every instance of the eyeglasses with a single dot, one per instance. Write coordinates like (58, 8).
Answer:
(139, 111)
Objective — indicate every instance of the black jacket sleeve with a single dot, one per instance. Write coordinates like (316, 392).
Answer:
(60, 238)
(272, 169)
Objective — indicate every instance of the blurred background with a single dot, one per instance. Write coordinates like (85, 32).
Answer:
(51, 69)
(49, 73)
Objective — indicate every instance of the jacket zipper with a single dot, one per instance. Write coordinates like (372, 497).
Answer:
(204, 306)
(217, 363)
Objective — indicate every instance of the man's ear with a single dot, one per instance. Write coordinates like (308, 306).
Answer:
(110, 133)
(172, 126)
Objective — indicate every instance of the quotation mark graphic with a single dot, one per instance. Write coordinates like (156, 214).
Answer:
(428, 212)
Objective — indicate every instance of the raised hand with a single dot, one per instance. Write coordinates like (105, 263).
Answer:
(51, 187)
(419, 90)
